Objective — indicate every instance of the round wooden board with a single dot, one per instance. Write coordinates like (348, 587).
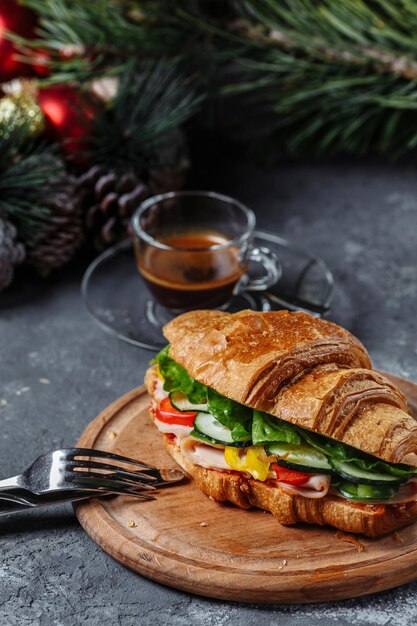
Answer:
(185, 540)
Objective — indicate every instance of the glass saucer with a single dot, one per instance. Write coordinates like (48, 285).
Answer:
(119, 300)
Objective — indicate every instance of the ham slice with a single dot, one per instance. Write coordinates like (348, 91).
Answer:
(406, 493)
(203, 455)
(315, 487)
(174, 429)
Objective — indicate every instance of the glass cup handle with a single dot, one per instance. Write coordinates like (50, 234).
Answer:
(272, 270)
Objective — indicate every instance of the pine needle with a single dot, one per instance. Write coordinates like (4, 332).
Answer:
(153, 101)
(29, 175)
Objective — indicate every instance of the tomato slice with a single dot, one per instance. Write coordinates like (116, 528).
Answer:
(290, 476)
(167, 413)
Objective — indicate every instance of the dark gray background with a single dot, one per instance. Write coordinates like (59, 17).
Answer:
(362, 219)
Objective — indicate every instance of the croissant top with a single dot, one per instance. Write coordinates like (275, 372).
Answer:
(298, 368)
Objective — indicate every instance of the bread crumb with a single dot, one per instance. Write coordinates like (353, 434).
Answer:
(211, 498)
(44, 381)
(3, 402)
(284, 562)
(22, 390)
(204, 524)
(131, 523)
(350, 539)
(112, 434)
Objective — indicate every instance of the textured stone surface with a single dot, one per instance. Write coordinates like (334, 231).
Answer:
(362, 219)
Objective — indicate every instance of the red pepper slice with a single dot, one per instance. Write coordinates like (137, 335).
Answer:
(290, 476)
(167, 413)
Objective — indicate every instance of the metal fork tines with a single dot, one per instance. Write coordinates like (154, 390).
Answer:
(141, 476)
(76, 473)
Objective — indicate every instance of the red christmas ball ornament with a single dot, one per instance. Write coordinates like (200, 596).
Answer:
(19, 20)
(69, 116)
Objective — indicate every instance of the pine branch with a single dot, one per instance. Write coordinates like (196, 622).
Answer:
(85, 38)
(91, 23)
(323, 77)
(367, 40)
(29, 174)
(296, 75)
(143, 120)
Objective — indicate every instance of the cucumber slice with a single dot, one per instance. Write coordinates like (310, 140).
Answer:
(354, 474)
(303, 458)
(301, 468)
(204, 439)
(366, 493)
(207, 425)
(180, 402)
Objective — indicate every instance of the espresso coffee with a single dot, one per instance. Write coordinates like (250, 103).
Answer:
(193, 272)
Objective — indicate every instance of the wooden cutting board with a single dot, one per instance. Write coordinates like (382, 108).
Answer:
(185, 540)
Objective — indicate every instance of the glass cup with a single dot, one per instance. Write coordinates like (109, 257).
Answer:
(193, 249)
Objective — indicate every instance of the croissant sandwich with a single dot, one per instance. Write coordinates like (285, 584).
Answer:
(282, 411)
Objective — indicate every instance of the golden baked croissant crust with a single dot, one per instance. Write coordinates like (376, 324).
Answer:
(301, 369)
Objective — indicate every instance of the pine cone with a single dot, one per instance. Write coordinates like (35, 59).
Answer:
(11, 252)
(63, 236)
(108, 200)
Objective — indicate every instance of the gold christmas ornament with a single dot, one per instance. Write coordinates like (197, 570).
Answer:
(17, 110)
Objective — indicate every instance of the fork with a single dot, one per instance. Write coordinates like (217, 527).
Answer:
(71, 474)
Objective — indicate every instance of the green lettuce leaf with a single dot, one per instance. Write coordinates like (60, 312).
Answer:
(176, 378)
(267, 429)
(331, 448)
(235, 416)
(342, 452)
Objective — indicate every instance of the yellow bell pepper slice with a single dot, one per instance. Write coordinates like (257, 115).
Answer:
(233, 457)
(256, 467)
(247, 460)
